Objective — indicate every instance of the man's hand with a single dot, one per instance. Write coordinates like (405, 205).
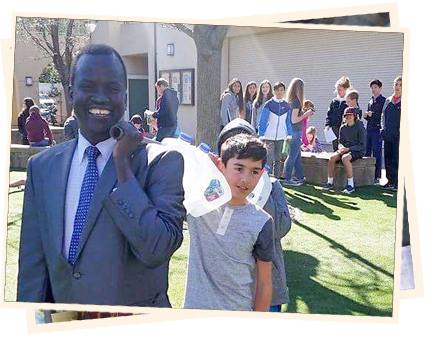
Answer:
(129, 141)
(124, 149)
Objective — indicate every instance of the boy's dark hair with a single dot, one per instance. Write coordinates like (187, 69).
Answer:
(279, 84)
(136, 119)
(97, 49)
(243, 146)
(162, 81)
(377, 82)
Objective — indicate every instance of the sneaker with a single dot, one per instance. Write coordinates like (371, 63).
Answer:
(348, 189)
(327, 186)
(394, 188)
(388, 185)
(376, 182)
(289, 182)
(299, 181)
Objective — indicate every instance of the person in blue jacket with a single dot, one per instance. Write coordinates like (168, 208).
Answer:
(390, 133)
(275, 126)
(373, 118)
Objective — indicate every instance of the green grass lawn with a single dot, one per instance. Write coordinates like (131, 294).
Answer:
(339, 255)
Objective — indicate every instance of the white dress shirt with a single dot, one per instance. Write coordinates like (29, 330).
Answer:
(76, 175)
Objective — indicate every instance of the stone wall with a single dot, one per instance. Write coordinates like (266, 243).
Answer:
(315, 170)
(58, 134)
(21, 153)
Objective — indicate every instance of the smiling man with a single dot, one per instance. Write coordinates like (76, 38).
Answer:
(106, 233)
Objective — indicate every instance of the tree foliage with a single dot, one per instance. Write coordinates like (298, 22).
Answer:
(57, 38)
(50, 75)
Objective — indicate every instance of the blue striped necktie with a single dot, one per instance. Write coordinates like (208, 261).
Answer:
(89, 183)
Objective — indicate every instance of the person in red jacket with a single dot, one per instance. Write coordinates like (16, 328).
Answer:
(37, 129)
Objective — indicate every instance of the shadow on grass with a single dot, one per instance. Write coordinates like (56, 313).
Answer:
(17, 219)
(310, 199)
(301, 271)
(345, 251)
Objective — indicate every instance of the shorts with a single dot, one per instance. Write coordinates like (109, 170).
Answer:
(355, 155)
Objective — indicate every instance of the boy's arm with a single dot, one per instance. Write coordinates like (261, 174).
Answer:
(383, 116)
(263, 252)
(277, 207)
(263, 123)
(224, 107)
(289, 127)
(264, 287)
(329, 112)
(341, 139)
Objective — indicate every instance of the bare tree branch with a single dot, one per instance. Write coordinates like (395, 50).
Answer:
(36, 40)
(184, 29)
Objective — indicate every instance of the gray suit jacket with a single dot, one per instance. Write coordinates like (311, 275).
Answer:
(130, 233)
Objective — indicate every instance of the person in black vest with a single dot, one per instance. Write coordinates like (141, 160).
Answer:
(390, 132)
(373, 118)
(336, 109)
(21, 121)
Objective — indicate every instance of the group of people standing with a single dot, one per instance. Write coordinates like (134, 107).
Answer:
(280, 118)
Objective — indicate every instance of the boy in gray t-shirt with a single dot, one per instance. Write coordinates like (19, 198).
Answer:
(231, 248)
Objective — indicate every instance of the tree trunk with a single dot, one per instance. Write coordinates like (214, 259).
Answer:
(209, 42)
(208, 97)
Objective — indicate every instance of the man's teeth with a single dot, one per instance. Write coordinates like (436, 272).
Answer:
(99, 111)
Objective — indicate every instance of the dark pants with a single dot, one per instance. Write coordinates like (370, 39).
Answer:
(165, 132)
(391, 158)
(335, 142)
(374, 147)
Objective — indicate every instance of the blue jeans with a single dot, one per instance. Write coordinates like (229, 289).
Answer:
(374, 146)
(44, 142)
(276, 308)
(294, 160)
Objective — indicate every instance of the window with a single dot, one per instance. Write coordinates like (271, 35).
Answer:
(170, 49)
(182, 81)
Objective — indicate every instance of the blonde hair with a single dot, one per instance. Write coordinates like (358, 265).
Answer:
(397, 79)
(344, 82)
(34, 109)
(308, 104)
(312, 130)
(353, 94)
(296, 91)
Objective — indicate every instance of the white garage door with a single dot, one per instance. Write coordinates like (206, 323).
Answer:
(320, 58)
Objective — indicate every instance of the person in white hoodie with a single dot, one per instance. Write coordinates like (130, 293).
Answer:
(275, 126)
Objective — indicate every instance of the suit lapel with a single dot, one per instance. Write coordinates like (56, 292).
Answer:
(106, 182)
(59, 179)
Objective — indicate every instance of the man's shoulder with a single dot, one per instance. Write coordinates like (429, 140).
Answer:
(155, 150)
(52, 151)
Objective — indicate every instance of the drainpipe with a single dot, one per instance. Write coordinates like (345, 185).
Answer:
(155, 51)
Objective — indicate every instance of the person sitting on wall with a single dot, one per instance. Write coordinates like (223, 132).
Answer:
(37, 129)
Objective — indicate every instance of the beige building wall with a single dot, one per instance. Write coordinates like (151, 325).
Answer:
(131, 40)
(185, 58)
(28, 62)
